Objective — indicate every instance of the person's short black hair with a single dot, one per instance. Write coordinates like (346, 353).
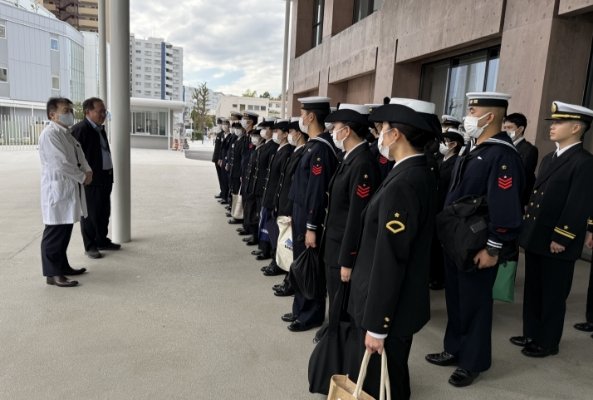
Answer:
(517, 119)
(89, 104)
(320, 115)
(54, 102)
(418, 139)
(359, 129)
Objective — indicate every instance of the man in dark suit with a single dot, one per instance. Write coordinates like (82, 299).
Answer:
(90, 132)
(515, 125)
(554, 230)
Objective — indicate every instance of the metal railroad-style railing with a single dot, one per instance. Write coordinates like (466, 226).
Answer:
(20, 133)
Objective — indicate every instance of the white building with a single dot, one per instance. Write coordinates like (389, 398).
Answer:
(156, 69)
(91, 64)
(40, 57)
(228, 104)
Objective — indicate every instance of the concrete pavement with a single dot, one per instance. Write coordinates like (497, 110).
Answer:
(182, 312)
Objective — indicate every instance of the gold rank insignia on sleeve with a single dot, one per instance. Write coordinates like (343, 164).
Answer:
(565, 233)
(395, 226)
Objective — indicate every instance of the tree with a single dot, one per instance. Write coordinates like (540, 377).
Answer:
(78, 112)
(266, 95)
(199, 114)
(249, 93)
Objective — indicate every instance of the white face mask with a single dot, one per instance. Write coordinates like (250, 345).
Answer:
(291, 140)
(512, 134)
(302, 126)
(443, 148)
(339, 143)
(384, 150)
(264, 133)
(254, 140)
(275, 138)
(244, 123)
(66, 119)
(470, 124)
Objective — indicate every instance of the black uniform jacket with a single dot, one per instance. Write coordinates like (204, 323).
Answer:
(492, 169)
(283, 203)
(311, 179)
(239, 156)
(529, 155)
(560, 204)
(350, 190)
(227, 150)
(248, 178)
(389, 285)
(90, 143)
(277, 164)
(262, 166)
(217, 147)
(445, 170)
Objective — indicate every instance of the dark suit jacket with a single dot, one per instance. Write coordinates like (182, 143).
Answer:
(277, 164)
(90, 142)
(216, 155)
(282, 202)
(389, 285)
(560, 204)
(529, 155)
(350, 190)
(263, 165)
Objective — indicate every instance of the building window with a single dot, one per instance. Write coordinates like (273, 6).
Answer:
(54, 44)
(364, 8)
(55, 82)
(241, 107)
(147, 69)
(3, 75)
(147, 77)
(2, 30)
(446, 82)
(234, 106)
(148, 53)
(318, 6)
(263, 108)
(148, 85)
(138, 51)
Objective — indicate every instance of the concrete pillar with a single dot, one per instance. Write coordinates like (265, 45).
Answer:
(103, 50)
(119, 18)
(285, 57)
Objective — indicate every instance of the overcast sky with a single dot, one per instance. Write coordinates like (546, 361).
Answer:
(231, 45)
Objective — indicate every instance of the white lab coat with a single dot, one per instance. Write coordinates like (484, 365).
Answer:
(63, 199)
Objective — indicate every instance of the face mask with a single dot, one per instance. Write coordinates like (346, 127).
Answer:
(254, 140)
(275, 138)
(291, 140)
(512, 134)
(443, 148)
(244, 123)
(302, 126)
(384, 150)
(470, 124)
(339, 143)
(225, 128)
(66, 119)
(264, 133)
(329, 126)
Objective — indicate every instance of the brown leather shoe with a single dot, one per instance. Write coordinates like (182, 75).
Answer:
(61, 281)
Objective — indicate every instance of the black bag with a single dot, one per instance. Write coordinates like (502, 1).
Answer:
(462, 228)
(330, 355)
(307, 274)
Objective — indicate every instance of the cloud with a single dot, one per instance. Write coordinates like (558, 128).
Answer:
(232, 45)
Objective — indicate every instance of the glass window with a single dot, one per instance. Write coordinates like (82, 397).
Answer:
(234, 106)
(2, 30)
(318, 6)
(148, 69)
(138, 51)
(3, 75)
(54, 44)
(446, 82)
(162, 123)
(55, 82)
(364, 8)
(250, 107)
(241, 107)
(148, 53)
(263, 108)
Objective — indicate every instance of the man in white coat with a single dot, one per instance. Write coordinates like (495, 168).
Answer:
(64, 170)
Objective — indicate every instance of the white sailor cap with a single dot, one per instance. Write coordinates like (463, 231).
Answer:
(416, 105)
(488, 99)
(350, 113)
(565, 111)
(315, 103)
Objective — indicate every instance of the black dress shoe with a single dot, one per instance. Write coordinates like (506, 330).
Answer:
(584, 326)
(60, 281)
(224, 202)
(284, 292)
(288, 317)
(244, 233)
(462, 377)
(218, 196)
(436, 285)
(73, 271)
(261, 257)
(442, 359)
(93, 253)
(277, 286)
(109, 246)
(298, 326)
(247, 239)
(229, 215)
(537, 351)
(521, 341)
(274, 270)
(234, 221)
(256, 252)
(252, 242)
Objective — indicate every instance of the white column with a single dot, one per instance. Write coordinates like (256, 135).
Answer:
(103, 50)
(119, 19)
(285, 59)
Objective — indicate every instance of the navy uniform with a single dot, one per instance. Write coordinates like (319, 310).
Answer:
(308, 194)
(224, 149)
(229, 144)
(560, 204)
(350, 190)
(389, 297)
(385, 166)
(492, 169)
(248, 180)
(216, 154)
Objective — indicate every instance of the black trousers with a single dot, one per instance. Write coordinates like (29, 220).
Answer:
(333, 281)
(469, 312)
(398, 352)
(590, 295)
(219, 175)
(437, 268)
(547, 285)
(95, 226)
(54, 245)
